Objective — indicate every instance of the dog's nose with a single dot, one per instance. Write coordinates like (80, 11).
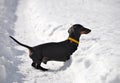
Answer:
(88, 31)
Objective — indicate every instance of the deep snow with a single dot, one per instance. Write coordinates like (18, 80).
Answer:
(39, 21)
(8, 61)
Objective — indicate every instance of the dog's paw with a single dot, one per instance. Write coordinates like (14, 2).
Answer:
(41, 68)
(33, 65)
(36, 66)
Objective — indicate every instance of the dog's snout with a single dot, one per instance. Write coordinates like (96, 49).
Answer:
(85, 31)
(89, 30)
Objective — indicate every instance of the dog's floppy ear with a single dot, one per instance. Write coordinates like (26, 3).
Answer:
(71, 30)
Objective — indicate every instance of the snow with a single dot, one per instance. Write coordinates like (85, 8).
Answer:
(8, 60)
(34, 22)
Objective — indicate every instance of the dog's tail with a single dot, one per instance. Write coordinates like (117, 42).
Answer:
(30, 48)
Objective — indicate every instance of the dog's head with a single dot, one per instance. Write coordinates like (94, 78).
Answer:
(78, 29)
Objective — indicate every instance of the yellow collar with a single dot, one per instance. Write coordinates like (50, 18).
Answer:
(73, 40)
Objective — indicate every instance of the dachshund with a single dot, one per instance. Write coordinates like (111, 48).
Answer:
(57, 51)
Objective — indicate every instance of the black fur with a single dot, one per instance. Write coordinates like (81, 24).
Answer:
(58, 51)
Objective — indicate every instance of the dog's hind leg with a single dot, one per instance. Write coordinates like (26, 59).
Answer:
(36, 65)
(44, 60)
(41, 68)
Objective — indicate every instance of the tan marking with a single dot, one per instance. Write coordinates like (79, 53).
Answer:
(30, 52)
(83, 32)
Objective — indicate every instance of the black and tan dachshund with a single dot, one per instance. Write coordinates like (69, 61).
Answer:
(57, 51)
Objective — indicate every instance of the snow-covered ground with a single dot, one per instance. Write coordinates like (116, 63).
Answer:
(34, 22)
